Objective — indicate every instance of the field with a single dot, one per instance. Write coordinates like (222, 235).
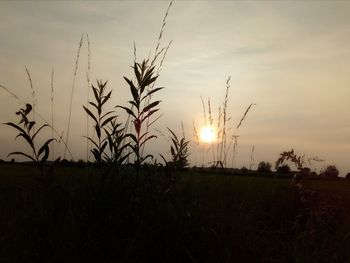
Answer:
(97, 214)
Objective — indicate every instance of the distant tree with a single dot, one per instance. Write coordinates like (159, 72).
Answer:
(331, 171)
(244, 170)
(264, 167)
(283, 169)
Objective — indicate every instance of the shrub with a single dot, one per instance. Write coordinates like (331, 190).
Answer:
(331, 171)
(347, 176)
(283, 169)
(264, 167)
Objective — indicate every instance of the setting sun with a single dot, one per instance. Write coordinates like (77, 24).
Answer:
(207, 134)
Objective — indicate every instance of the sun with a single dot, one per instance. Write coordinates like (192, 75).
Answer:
(207, 134)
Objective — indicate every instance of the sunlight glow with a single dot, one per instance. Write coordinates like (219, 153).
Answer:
(207, 134)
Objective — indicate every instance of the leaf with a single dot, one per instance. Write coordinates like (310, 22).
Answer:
(95, 93)
(46, 155)
(98, 131)
(96, 154)
(90, 114)
(104, 115)
(149, 114)
(28, 139)
(133, 89)
(30, 125)
(132, 136)
(129, 111)
(91, 140)
(146, 157)
(148, 138)
(149, 81)
(23, 154)
(137, 73)
(93, 104)
(134, 104)
(172, 151)
(163, 158)
(45, 145)
(150, 106)
(151, 92)
(107, 121)
(103, 147)
(15, 126)
(106, 98)
(173, 133)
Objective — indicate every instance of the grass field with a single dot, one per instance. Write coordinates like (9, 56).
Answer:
(86, 214)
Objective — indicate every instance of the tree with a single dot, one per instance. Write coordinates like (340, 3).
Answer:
(330, 171)
(283, 169)
(264, 167)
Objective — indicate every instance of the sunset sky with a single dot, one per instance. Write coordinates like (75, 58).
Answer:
(291, 58)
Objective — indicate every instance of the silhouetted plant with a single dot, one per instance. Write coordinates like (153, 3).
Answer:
(141, 108)
(179, 151)
(101, 119)
(264, 167)
(298, 161)
(26, 132)
(283, 169)
(330, 171)
(117, 147)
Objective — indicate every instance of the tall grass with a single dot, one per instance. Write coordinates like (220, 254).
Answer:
(141, 108)
(72, 93)
(226, 136)
(52, 114)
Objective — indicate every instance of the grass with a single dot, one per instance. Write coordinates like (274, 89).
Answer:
(198, 218)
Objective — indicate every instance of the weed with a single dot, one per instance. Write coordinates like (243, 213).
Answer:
(179, 151)
(25, 132)
(101, 119)
(141, 108)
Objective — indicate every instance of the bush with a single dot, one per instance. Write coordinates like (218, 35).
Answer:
(331, 171)
(264, 167)
(283, 169)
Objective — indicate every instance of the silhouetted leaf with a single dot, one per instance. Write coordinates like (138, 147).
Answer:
(107, 113)
(150, 106)
(106, 98)
(95, 93)
(107, 121)
(15, 126)
(137, 73)
(151, 92)
(90, 114)
(130, 112)
(93, 104)
(23, 154)
(98, 131)
(133, 89)
(44, 146)
(148, 138)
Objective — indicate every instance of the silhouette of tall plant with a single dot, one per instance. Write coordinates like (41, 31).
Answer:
(27, 133)
(179, 151)
(141, 107)
(115, 137)
(101, 120)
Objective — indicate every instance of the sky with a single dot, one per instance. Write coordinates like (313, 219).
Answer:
(290, 58)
